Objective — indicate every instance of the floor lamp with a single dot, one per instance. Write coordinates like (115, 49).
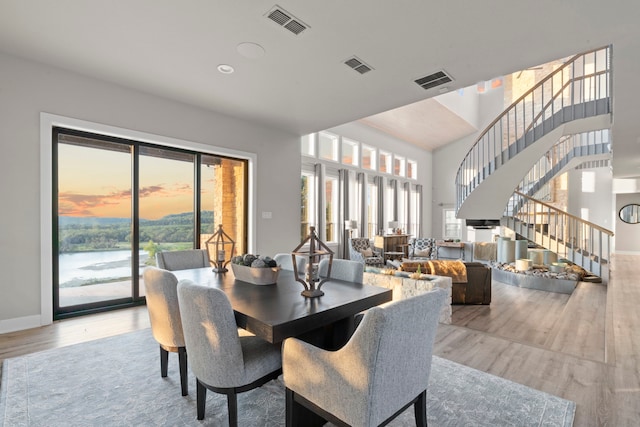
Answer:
(349, 225)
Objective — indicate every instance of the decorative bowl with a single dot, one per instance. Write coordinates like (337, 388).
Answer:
(256, 275)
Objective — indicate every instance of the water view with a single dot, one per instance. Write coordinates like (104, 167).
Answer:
(84, 268)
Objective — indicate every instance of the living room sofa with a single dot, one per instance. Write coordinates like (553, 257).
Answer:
(471, 281)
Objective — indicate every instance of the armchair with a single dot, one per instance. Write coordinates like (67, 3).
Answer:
(422, 248)
(381, 371)
(360, 250)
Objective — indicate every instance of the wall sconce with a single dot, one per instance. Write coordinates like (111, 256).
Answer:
(317, 251)
(223, 249)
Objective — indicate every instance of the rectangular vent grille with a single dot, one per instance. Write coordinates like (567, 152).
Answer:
(358, 65)
(433, 80)
(286, 20)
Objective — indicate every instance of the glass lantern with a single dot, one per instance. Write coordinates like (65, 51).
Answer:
(221, 248)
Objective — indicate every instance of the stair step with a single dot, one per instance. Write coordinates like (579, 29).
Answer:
(592, 278)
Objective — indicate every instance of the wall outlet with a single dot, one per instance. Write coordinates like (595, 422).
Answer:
(267, 215)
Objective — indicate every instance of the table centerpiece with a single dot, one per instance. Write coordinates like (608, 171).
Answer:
(255, 269)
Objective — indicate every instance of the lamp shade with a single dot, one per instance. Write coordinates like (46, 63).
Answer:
(351, 224)
(393, 224)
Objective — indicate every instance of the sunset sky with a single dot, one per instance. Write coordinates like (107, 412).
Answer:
(97, 183)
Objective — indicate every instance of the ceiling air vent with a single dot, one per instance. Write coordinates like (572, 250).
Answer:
(358, 65)
(286, 20)
(433, 80)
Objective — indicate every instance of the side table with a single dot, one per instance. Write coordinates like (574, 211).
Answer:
(443, 244)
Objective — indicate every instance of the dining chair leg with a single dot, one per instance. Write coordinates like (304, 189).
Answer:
(182, 360)
(289, 409)
(420, 409)
(201, 399)
(232, 407)
(164, 361)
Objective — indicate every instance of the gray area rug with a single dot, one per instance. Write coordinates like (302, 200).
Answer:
(116, 382)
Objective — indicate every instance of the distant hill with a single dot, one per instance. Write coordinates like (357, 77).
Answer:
(185, 218)
(66, 221)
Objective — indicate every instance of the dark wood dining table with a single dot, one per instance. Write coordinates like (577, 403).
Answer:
(278, 311)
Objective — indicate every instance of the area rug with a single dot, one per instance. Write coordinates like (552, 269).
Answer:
(116, 382)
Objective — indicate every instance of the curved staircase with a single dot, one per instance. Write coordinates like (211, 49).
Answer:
(546, 121)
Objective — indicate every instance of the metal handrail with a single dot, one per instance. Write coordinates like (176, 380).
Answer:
(558, 156)
(561, 213)
(570, 236)
(583, 79)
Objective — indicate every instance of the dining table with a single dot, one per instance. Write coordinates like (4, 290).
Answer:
(277, 311)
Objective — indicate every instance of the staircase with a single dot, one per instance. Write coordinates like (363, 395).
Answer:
(592, 149)
(543, 126)
(573, 238)
(576, 98)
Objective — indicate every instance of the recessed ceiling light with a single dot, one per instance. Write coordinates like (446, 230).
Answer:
(250, 50)
(225, 69)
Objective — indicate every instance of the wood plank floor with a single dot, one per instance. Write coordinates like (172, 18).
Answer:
(584, 347)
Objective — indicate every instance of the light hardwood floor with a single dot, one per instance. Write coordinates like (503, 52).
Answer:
(584, 347)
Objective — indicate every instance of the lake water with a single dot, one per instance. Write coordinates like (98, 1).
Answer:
(77, 269)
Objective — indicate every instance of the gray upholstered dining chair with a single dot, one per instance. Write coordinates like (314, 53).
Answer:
(164, 316)
(342, 269)
(183, 260)
(285, 262)
(382, 370)
(221, 359)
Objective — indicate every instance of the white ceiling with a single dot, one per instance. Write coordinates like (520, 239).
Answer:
(172, 49)
(427, 124)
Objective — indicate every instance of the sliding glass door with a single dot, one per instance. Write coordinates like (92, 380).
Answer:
(117, 202)
(93, 218)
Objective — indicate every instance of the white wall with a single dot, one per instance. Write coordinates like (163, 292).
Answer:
(464, 103)
(627, 236)
(599, 207)
(447, 159)
(367, 135)
(27, 89)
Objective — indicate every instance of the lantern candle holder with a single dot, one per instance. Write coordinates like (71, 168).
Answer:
(223, 249)
(317, 251)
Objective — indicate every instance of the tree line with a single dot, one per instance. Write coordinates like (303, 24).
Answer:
(86, 234)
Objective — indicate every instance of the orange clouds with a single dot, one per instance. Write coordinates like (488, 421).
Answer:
(117, 204)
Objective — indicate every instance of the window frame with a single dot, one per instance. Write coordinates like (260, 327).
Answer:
(355, 147)
(456, 222)
(335, 146)
(388, 168)
(373, 158)
(47, 123)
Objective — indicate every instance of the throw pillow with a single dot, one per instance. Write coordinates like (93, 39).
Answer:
(367, 253)
(424, 253)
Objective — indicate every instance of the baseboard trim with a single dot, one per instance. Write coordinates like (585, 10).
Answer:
(20, 323)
